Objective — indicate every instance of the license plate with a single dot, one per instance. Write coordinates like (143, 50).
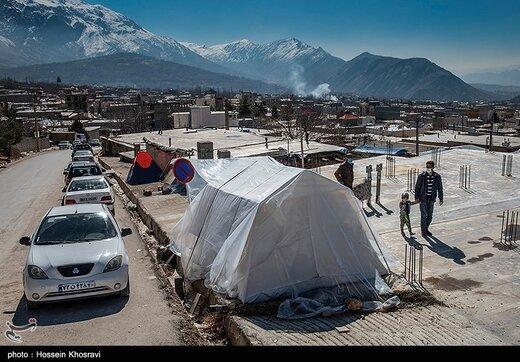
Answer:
(76, 286)
(87, 199)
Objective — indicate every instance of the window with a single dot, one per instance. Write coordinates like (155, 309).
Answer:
(87, 185)
(75, 228)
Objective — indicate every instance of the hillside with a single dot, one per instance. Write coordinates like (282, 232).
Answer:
(127, 69)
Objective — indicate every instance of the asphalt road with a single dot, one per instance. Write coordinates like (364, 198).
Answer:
(27, 190)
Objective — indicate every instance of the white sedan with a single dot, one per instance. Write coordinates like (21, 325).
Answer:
(89, 190)
(77, 252)
(82, 155)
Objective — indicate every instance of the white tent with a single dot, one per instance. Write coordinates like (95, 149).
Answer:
(259, 230)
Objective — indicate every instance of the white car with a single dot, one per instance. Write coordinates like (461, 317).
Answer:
(76, 252)
(89, 190)
(82, 155)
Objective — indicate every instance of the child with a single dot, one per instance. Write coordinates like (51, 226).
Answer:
(404, 213)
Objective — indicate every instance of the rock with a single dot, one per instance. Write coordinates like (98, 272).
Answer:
(353, 304)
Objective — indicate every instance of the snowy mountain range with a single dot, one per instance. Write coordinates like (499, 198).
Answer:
(288, 61)
(45, 31)
(59, 31)
(308, 70)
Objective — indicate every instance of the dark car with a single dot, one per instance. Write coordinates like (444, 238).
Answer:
(81, 168)
(82, 146)
(64, 145)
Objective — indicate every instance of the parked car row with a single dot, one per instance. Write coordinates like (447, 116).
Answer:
(63, 145)
(77, 250)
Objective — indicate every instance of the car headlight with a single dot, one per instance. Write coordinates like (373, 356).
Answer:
(114, 264)
(36, 272)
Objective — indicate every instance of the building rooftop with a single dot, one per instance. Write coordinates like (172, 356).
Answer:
(449, 137)
(240, 143)
(465, 264)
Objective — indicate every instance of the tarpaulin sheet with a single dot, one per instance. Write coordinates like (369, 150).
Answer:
(258, 230)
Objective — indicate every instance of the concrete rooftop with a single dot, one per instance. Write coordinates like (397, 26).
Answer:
(239, 143)
(445, 137)
(465, 265)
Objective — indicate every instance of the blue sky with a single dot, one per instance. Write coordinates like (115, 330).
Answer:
(460, 35)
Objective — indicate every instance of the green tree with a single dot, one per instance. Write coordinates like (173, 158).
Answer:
(244, 109)
(274, 112)
(11, 129)
(77, 127)
(258, 110)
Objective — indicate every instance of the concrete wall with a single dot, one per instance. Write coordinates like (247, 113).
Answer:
(111, 147)
(93, 132)
(181, 119)
(200, 117)
(29, 144)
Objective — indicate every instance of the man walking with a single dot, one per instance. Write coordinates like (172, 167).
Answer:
(345, 172)
(427, 189)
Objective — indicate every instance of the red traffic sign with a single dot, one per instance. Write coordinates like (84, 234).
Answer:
(183, 170)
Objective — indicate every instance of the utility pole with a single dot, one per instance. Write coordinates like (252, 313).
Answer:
(417, 137)
(36, 125)
(494, 118)
(301, 145)
(226, 114)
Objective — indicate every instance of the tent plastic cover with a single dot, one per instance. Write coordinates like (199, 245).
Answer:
(258, 230)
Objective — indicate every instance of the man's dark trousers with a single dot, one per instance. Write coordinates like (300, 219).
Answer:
(426, 214)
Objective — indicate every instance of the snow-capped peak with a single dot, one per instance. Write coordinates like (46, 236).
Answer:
(245, 50)
(58, 30)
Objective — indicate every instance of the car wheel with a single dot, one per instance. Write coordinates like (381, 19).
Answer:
(125, 292)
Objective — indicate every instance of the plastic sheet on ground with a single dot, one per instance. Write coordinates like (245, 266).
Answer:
(331, 301)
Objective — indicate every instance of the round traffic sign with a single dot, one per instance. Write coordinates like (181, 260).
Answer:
(183, 170)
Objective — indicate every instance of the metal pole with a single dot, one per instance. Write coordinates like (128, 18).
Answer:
(301, 145)
(469, 178)
(502, 228)
(417, 137)
(506, 237)
(516, 226)
(405, 258)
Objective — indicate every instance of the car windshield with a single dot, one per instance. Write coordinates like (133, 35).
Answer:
(75, 228)
(86, 185)
(85, 171)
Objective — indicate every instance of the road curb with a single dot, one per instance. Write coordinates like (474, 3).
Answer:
(151, 249)
(233, 330)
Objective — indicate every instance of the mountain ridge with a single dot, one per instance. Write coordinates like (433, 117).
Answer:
(135, 70)
(46, 31)
(50, 31)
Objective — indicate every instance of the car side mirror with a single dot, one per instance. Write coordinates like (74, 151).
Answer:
(25, 241)
(126, 232)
